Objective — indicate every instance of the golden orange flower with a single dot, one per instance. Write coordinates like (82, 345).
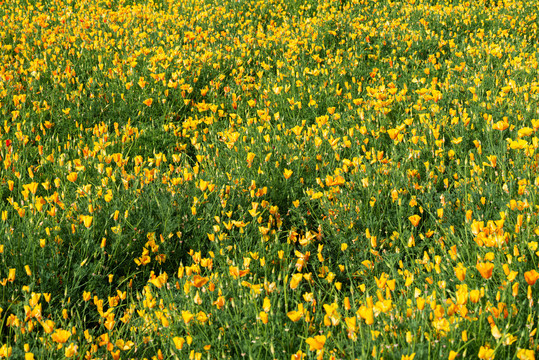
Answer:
(460, 271)
(294, 282)
(71, 350)
(86, 220)
(485, 269)
(294, 315)
(486, 353)
(316, 343)
(414, 219)
(178, 342)
(263, 317)
(525, 354)
(199, 281)
(72, 176)
(60, 336)
(11, 275)
(236, 272)
(287, 173)
(531, 277)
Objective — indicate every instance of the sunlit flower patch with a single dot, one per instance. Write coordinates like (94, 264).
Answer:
(269, 179)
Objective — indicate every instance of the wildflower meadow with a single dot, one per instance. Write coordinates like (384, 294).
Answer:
(269, 179)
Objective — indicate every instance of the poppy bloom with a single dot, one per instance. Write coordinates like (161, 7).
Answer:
(294, 282)
(316, 343)
(287, 173)
(414, 219)
(263, 317)
(60, 336)
(531, 277)
(199, 281)
(485, 269)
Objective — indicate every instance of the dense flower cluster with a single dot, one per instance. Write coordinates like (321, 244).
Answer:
(329, 179)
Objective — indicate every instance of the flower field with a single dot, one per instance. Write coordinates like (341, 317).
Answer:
(269, 179)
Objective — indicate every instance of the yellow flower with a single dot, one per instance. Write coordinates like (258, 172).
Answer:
(524, 354)
(86, 220)
(485, 269)
(266, 305)
(287, 173)
(5, 351)
(531, 277)
(250, 158)
(366, 314)
(460, 271)
(316, 343)
(71, 350)
(414, 219)
(263, 317)
(60, 336)
(187, 316)
(495, 332)
(475, 296)
(72, 176)
(199, 281)
(11, 275)
(408, 357)
(32, 187)
(148, 102)
(294, 315)
(294, 282)
(178, 342)
(486, 353)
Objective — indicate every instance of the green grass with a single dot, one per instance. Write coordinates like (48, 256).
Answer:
(282, 179)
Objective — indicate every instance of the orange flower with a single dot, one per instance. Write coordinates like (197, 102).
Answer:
(263, 317)
(199, 281)
(72, 177)
(485, 353)
(178, 342)
(48, 326)
(236, 272)
(294, 315)
(408, 357)
(460, 272)
(414, 219)
(485, 269)
(531, 277)
(294, 282)
(32, 187)
(60, 336)
(87, 220)
(266, 305)
(71, 350)
(148, 102)
(220, 302)
(11, 275)
(366, 314)
(475, 295)
(316, 343)
(187, 317)
(287, 173)
(524, 354)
